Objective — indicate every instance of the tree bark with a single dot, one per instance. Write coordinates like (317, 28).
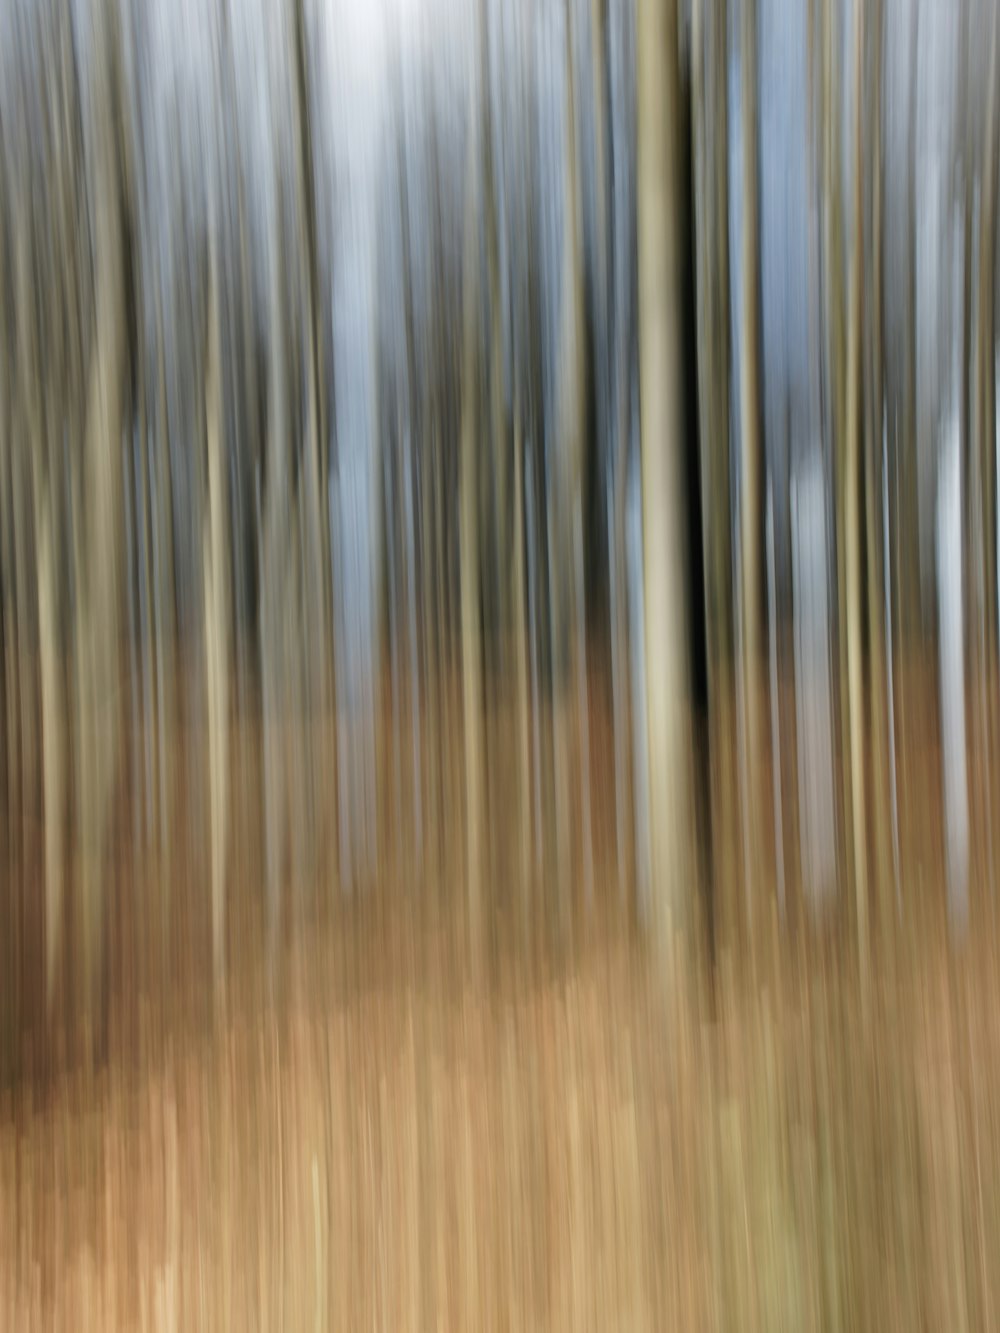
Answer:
(852, 520)
(985, 378)
(710, 148)
(98, 609)
(751, 472)
(663, 515)
(469, 539)
(878, 683)
(215, 569)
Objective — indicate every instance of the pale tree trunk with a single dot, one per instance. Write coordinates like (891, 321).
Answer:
(987, 330)
(519, 613)
(908, 593)
(450, 766)
(9, 950)
(428, 478)
(391, 451)
(21, 493)
(53, 731)
(432, 657)
(498, 437)
(98, 607)
(709, 100)
(312, 480)
(620, 62)
(985, 400)
(841, 386)
(602, 375)
(164, 626)
(851, 533)
(469, 537)
(215, 570)
(568, 563)
(98, 633)
(25, 444)
(878, 684)
(663, 516)
(407, 487)
(144, 597)
(251, 784)
(611, 282)
(58, 376)
(956, 519)
(751, 471)
(274, 542)
(8, 664)
(37, 441)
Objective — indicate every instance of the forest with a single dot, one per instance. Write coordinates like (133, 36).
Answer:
(506, 485)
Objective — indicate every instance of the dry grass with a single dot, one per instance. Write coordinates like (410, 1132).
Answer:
(384, 1128)
(578, 1148)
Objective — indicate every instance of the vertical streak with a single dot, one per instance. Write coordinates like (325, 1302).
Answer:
(741, 724)
(952, 669)
(779, 835)
(390, 521)
(581, 659)
(617, 687)
(890, 688)
(662, 443)
(536, 743)
(411, 606)
(637, 648)
(135, 676)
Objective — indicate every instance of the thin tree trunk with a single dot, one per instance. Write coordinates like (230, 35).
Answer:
(667, 685)
(852, 519)
(164, 591)
(709, 122)
(215, 560)
(521, 661)
(499, 439)
(986, 407)
(575, 408)
(432, 663)
(98, 516)
(468, 541)
(311, 487)
(842, 402)
(877, 682)
(53, 731)
(274, 589)
(99, 613)
(751, 472)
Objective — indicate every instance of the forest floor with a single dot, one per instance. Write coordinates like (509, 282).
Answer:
(375, 1130)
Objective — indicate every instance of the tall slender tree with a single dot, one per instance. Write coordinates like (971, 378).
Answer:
(663, 511)
(711, 175)
(851, 436)
(99, 506)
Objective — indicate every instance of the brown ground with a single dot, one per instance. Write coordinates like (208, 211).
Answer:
(575, 1129)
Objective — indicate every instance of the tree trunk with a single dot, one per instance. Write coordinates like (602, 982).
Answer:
(98, 610)
(469, 539)
(215, 569)
(985, 379)
(852, 499)
(751, 472)
(53, 731)
(312, 479)
(710, 148)
(666, 657)
(878, 683)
